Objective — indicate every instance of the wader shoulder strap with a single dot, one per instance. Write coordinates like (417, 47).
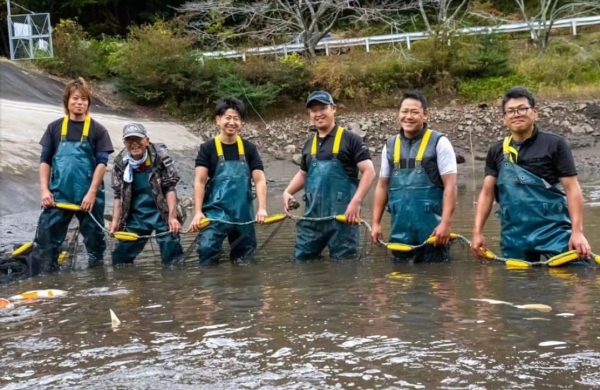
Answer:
(240, 145)
(336, 144)
(420, 154)
(512, 153)
(86, 129)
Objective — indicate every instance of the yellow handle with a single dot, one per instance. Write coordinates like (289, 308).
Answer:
(126, 236)
(399, 247)
(22, 250)
(431, 240)
(563, 258)
(343, 219)
(68, 206)
(517, 264)
(204, 222)
(63, 257)
(275, 219)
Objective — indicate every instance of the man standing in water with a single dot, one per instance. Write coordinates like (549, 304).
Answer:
(331, 161)
(75, 152)
(144, 180)
(522, 172)
(418, 179)
(225, 169)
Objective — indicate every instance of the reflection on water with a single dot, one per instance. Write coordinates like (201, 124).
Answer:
(321, 325)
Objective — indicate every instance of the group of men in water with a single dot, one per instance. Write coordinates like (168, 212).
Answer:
(524, 173)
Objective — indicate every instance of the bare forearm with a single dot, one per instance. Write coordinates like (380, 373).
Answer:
(575, 206)
(381, 200)
(450, 194)
(117, 209)
(484, 207)
(364, 186)
(98, 178)
(199, 189)
(261, 194)
(296, 184)
(45, 170)
(172, 203)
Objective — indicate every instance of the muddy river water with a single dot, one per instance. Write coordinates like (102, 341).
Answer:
(320, 325)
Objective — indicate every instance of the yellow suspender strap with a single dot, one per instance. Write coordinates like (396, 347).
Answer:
(148, 161)
(424, 144)
(86, 128)
(336, 144)
(219, 146)
(509, 150)
(338, 141)
(397, 150)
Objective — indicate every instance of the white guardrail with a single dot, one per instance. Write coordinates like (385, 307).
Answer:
(397, 38)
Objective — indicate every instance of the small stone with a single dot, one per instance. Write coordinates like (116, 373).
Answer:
(279, 155)
(297, 158)
(290, 149)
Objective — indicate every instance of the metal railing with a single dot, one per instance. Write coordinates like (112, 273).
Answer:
(399, 38)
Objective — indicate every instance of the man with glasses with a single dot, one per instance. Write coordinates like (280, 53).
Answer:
(418, 183)
(522, 172)
(144, 180)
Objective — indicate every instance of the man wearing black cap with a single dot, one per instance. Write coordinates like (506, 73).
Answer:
(331, 161)
(144, 180)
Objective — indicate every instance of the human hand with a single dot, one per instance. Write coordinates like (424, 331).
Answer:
(47, 199)
(261, 215)
(195, 225)
(579, 243)
(88, 202)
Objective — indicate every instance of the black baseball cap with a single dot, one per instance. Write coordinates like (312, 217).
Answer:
(134, 130)
(321, 97)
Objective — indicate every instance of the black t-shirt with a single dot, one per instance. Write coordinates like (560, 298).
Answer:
(546, 155)
(207, 156)
(98, 136)
(352, 151)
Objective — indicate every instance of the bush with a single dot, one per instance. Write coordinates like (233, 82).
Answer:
(494, 87)
(259, 97)
(75, 55)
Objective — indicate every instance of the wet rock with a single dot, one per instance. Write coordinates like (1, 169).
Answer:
(582, 129)
(460, 159)
(592, 111)
(357, 129)
(297, 158)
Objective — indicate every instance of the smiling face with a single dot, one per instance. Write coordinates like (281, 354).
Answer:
(78, 104)
(411, 117)
(230, 123)
(136, 146)
(519, 116)
(322, 116)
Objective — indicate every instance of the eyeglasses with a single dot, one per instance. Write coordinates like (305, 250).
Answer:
(518, 112)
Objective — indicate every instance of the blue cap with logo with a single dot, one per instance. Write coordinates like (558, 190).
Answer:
(321, 97)
(134, 130)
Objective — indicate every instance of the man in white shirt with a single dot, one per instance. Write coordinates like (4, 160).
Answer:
(418, 183)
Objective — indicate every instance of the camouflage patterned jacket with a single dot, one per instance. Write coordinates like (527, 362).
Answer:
(163, 179)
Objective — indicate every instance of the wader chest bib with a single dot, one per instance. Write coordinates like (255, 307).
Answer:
(73, 168)
(415, 203)
(145, 218)
(228, 197)
(328, 191)
(533, 214)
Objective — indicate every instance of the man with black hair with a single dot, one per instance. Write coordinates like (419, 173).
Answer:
(522, 173)
(331, 162)
(225, 168)
(75, 152)
(418, 183)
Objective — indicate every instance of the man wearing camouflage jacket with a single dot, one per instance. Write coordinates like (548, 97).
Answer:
(144, 180)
